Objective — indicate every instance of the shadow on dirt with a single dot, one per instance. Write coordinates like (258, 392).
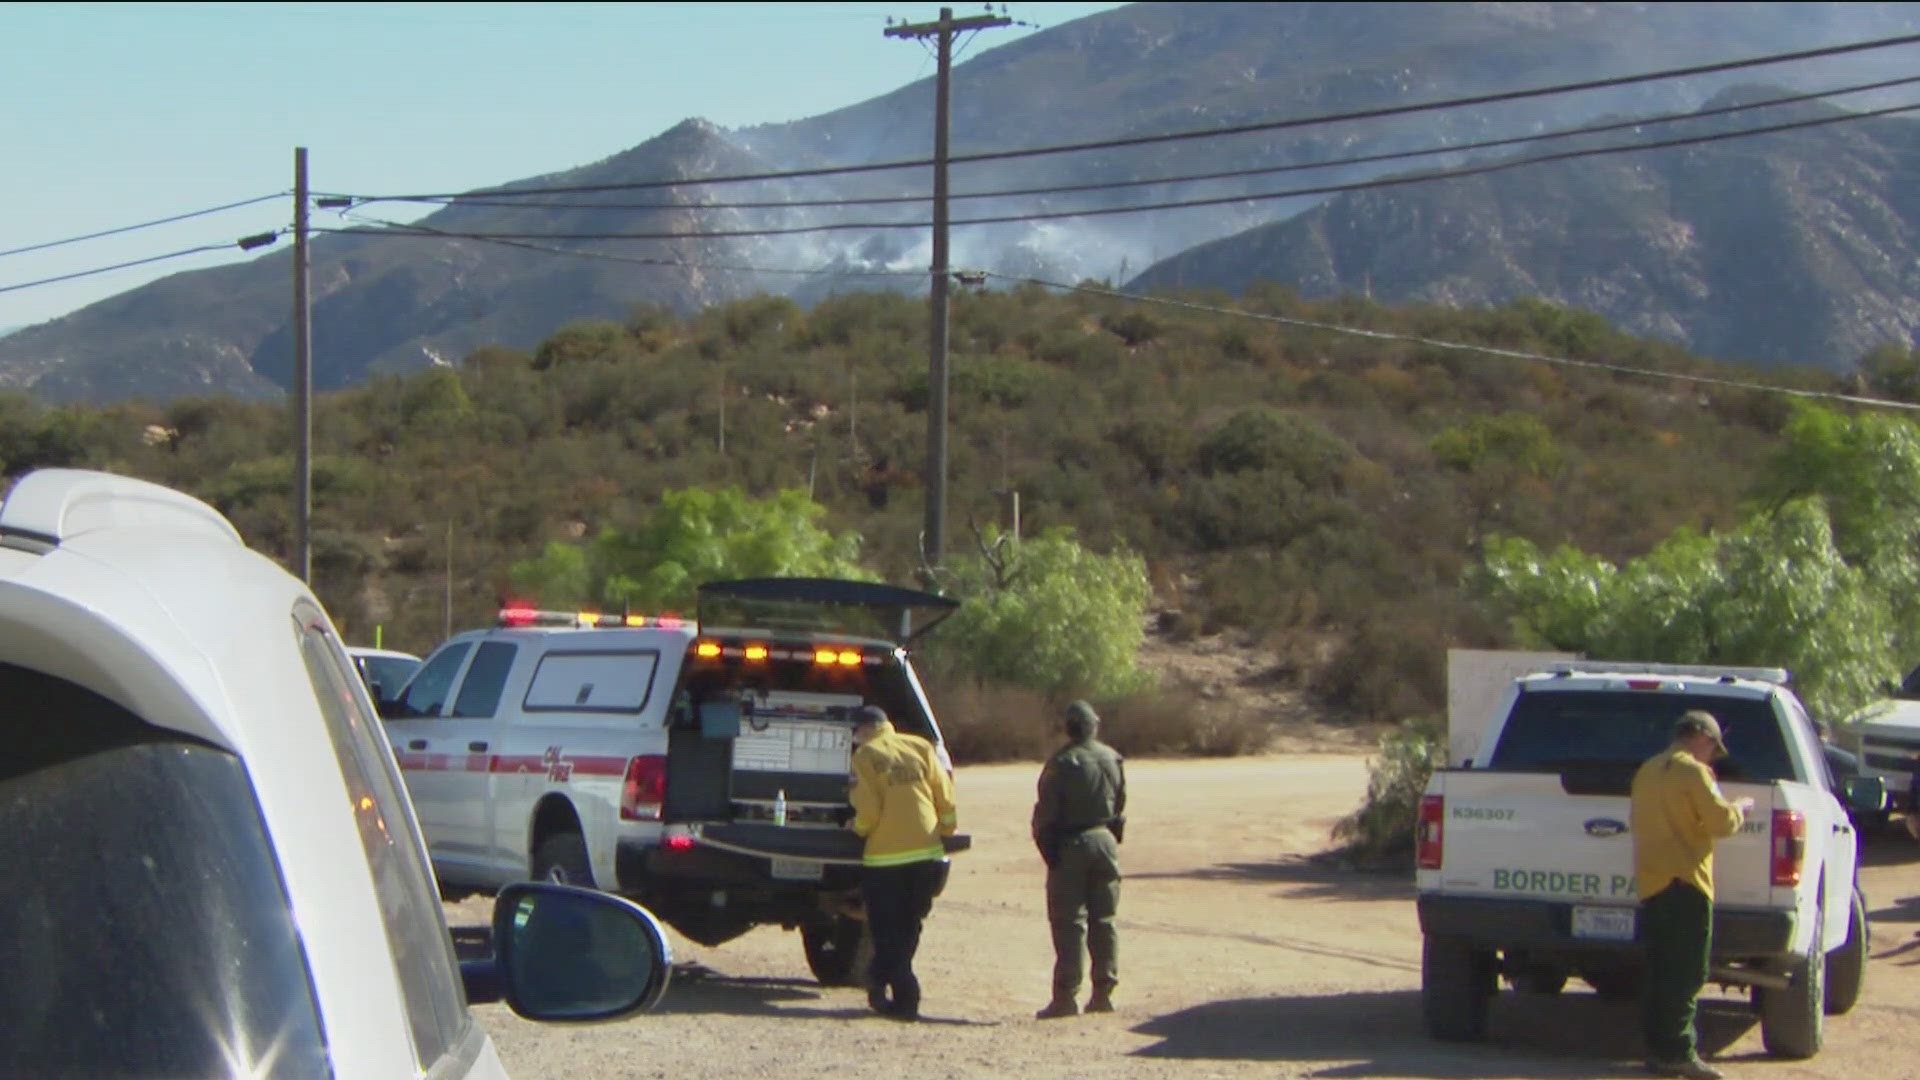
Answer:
(1381, 1034)
(697, 988)
(1312, 877)
(1890, 846)
(1903, 909)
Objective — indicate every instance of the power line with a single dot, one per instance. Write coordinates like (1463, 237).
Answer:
(244, 245)
(1181, 204)
(1461, 346)
(142, 225)
(1176, 136)
(1228, 174)
(644, 261)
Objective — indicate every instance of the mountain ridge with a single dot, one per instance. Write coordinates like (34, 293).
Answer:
(387, 304)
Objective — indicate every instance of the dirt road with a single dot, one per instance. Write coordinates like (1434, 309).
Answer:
(1239, 958)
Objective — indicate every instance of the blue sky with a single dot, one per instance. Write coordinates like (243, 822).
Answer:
(121, 113)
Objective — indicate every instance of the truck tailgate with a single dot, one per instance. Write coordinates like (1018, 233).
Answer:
(1523, 835)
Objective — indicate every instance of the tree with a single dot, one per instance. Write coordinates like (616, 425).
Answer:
(1047, 614)
(1892, 370)
(1820, 579)
(1774, 593)
(693, 536)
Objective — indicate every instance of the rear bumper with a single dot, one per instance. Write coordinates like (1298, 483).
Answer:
(1547, 926)
(742, 855)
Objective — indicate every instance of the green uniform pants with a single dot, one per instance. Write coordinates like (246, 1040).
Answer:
(1676, 928)
(1083, 893)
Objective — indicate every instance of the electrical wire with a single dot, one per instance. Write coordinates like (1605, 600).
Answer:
(1461, 346)
(1177, 136)
(1228, 174)
(142, 225)
(644, 261)
(1181, 204)
(117, 266)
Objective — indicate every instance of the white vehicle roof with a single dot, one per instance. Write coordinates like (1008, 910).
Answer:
(133, 591)
(367, 650)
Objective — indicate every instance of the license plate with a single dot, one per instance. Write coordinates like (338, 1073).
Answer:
(798, 869)
(1603, 923)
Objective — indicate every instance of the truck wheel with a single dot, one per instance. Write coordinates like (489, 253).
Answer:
(1792, 1020)
(562, 858)
(1457, 982)
(1847, 965)
(1536, 977)
(838, 952)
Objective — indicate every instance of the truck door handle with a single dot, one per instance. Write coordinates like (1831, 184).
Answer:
(417, 744)
(476, 747)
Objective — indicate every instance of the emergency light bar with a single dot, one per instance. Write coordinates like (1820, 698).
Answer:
(1566, 668)
(754, 652)
(535, 617)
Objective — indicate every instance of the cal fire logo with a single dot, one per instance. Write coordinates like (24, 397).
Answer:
(559, 769)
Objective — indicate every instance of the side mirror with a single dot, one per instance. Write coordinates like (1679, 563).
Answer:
(570, 954)
(1866, 794)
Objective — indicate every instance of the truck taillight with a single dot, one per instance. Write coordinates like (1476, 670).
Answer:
(1789, 846)
(1428, 834)
(645, 790)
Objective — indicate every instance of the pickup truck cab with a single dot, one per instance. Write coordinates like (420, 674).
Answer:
(698, 766)
(1887, 737)
(1524, 857)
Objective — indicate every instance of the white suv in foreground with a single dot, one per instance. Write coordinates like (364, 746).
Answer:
(214, 868)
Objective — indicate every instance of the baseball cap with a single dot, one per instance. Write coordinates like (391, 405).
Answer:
(1700, 722)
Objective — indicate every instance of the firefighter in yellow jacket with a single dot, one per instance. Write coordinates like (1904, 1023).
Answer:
(903, 807)
(1678, 812)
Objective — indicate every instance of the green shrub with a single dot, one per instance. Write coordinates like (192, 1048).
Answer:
(1383, 824)
(1271, 439)
(1047, 614)
(584, 341)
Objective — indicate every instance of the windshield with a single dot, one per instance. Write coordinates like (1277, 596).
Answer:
(146, 928)
(1553, 730)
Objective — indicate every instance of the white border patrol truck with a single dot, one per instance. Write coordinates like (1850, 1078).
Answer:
(1524, 858)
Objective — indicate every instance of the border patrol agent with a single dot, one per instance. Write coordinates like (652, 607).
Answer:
(1078, 822)
(1678, 812)
(902, 806)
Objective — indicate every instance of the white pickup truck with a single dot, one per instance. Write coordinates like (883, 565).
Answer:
(1525, 859)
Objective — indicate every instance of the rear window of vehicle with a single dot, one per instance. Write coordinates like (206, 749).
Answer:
(617, 682)
(147, 930)
(1553, 730)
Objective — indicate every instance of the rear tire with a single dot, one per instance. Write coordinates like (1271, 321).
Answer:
(839, 951)
(1792, 1021)
(562, 858)
(1457, 983)
(1847, 965)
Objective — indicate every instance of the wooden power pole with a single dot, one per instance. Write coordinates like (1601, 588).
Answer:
(942, 30)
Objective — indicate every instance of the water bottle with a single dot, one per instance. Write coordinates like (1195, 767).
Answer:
(780, 807)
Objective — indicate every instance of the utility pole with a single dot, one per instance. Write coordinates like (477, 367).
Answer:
(942, 31)
(302, 379)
